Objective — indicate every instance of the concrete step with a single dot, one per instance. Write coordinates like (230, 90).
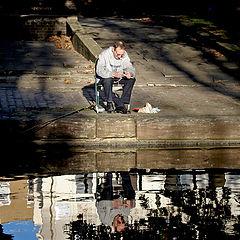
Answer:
(35, 81)
(89, 129)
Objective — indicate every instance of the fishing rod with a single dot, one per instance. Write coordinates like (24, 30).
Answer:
(40, 126)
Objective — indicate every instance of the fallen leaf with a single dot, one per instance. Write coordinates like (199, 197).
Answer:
(61, 42)
(216, 53)
(146, 19)
(67, 81)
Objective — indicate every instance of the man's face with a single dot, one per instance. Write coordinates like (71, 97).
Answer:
(119, 224)
(118, 52)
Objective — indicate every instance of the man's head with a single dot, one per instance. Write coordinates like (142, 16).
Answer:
(119, 224)
(119, 49)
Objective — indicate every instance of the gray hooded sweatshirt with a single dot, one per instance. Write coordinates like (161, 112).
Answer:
(108, 64)
(107, 212)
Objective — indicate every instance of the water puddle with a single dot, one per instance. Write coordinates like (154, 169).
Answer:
(159, 204)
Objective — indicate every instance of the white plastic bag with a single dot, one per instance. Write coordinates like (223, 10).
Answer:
(148, 109)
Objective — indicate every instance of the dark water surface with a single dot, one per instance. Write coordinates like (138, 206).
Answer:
(73, 202)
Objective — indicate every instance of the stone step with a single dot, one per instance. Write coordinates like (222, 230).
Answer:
(46, 70)
(91, 130)
(45, 77)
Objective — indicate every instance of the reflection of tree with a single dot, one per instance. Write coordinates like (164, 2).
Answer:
(4, 236)
(81, 230)
(208, 214)
(141, 231)
(192, 213)
(195, 213)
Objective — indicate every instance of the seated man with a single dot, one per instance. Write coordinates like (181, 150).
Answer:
(114, 64)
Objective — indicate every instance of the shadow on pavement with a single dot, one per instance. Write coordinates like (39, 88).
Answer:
(25, 99)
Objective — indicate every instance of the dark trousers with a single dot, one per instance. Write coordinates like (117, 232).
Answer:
(126, 94)
(128, 191)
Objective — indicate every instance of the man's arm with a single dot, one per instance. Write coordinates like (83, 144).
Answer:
(102, 69)
(128, 68)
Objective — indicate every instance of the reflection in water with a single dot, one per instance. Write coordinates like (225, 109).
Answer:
(114, 207)
(193, 204)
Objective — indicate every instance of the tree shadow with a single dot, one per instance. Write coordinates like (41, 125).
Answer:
(204, 35)
(152, 47)
(38, 7)
(27, 70)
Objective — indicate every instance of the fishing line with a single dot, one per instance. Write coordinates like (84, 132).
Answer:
(40, 126)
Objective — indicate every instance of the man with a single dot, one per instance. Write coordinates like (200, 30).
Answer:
(115, 207)
(114, 64)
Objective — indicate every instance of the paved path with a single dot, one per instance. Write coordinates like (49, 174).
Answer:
(171, 75)
(175, 76)
(37, 76)
(197, 96)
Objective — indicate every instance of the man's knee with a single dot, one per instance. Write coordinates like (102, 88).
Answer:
(131, 80)
(107, 81)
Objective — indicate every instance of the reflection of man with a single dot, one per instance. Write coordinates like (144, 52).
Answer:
(119, 224)
(113, 210)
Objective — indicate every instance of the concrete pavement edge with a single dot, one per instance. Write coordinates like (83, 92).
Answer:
(82, 42)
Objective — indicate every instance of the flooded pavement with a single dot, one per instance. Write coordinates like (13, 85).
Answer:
(77, 198)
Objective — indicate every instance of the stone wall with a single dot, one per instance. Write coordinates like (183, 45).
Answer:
(82, 42)
(105, 130)
(40, 28)
(31, 27)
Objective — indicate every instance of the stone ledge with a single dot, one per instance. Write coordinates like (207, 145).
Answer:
(82, 42)
(124, 131)
(65, 129)
(115, 128)
(201, 129)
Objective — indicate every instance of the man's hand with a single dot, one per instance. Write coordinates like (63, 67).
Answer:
(128, 75)
(117, 203)
(117, 74)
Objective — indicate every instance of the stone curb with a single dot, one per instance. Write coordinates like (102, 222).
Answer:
(133, 131)
(82, 42)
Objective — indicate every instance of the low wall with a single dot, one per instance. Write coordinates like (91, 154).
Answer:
(146, 130)
(39, 27)
(31, 27)
(82, 42)
(130, 130)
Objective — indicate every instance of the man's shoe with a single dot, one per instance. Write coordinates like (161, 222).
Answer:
(126, 105)
(121, 109)
(109, 107)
